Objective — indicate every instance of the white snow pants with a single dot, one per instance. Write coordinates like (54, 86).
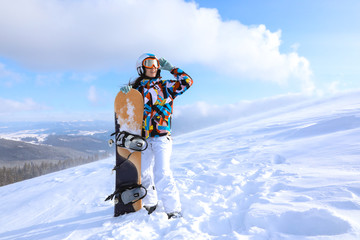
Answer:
(156, 175)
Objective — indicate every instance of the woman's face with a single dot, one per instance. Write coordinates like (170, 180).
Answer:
(151, 72)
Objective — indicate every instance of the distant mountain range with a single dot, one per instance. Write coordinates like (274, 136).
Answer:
(48, 141)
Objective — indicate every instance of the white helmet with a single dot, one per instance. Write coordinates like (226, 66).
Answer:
(140, 63)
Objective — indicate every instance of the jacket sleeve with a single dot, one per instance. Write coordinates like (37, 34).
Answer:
(182, 83)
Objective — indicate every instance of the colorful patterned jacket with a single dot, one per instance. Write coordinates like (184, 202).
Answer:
(158, 102)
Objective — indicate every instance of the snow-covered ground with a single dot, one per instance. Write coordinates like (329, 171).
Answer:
(291, 173)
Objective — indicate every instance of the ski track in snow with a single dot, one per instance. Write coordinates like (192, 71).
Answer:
(293, 175)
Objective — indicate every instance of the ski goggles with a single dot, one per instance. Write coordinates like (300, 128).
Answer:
(150, 63)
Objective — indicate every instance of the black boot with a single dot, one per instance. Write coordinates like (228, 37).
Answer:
(150, 209)
(174, 215)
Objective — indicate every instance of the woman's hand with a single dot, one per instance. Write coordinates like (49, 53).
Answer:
(165, 65)
(126, 89)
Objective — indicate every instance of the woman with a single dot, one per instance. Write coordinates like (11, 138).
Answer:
(158, 96)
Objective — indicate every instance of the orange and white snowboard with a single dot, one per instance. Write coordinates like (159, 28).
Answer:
(129, 110)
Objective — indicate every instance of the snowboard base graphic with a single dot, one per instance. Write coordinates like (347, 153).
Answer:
(129, 109)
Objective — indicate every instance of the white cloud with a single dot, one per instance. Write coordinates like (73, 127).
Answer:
(56, 78)
(87, 34)
(11, 106)
(49, 79)
(295, 47)
(8, 78)
(92, 94)
(86, 77)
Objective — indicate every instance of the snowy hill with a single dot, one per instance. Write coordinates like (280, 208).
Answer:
(290, 173)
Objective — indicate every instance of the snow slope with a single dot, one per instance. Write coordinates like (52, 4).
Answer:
(291, 173)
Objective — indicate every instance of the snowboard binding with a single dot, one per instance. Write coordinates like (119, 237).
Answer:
(128, 140)
(128, 194)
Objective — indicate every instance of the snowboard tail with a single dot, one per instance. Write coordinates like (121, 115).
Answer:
(127, 174)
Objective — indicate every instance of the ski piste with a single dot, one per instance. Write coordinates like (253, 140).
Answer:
(128, 111)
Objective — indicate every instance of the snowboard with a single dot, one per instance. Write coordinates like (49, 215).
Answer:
(129, 110)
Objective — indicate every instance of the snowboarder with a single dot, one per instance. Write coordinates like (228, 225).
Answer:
(158, 96)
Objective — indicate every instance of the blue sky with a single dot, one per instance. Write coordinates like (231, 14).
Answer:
(66, 60)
